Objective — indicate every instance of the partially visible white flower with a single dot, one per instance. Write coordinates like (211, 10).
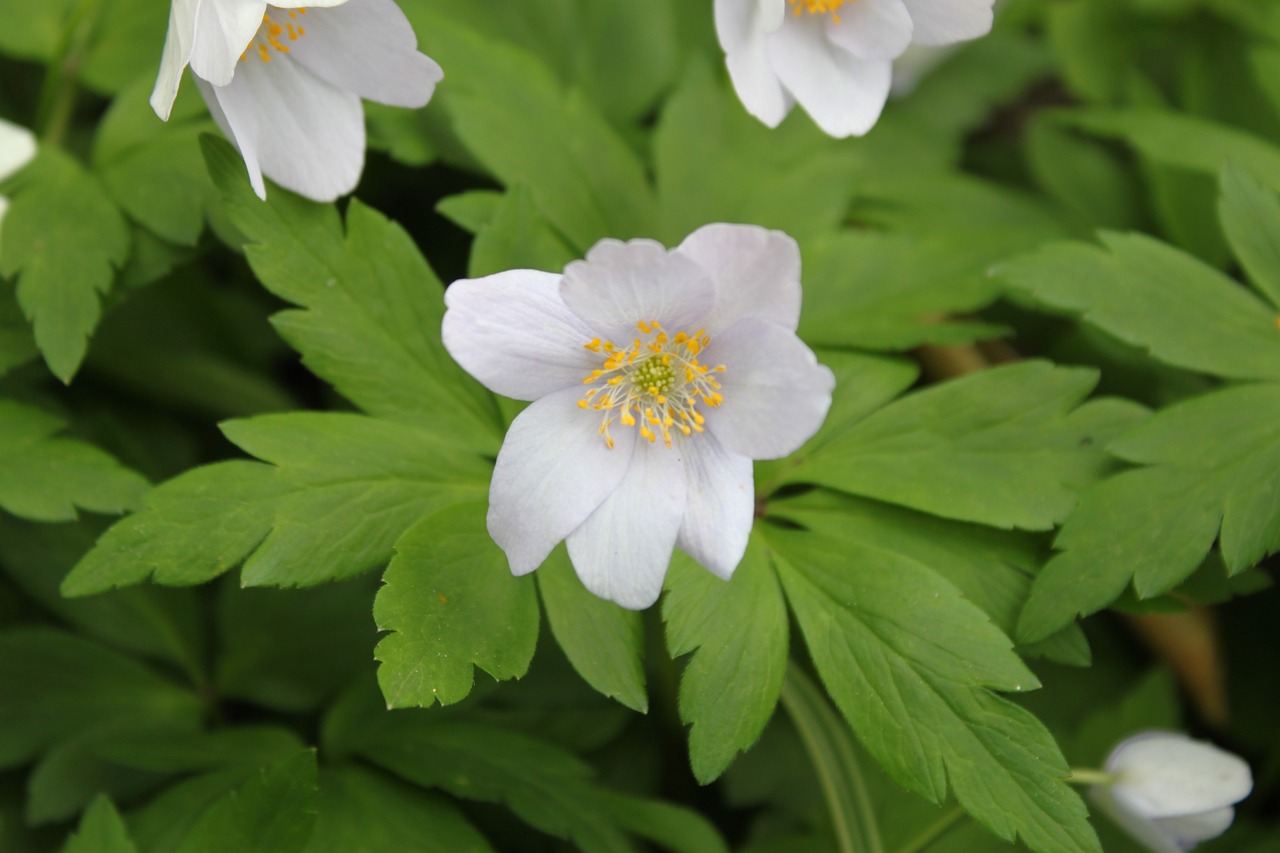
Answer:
(656, 377)
(17, 147)
(833, 57)
(1171, 792)
(284, 81)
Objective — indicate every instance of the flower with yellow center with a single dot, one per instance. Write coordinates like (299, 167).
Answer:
(284, 81)
(656, 377)
(833, 57)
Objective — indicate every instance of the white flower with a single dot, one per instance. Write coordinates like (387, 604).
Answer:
(284, 81)
(656, 377)
(1172, 792)
(17, 147)
(833, 57)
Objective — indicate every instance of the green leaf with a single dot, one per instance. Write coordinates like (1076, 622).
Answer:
(1185, 141)
(1250, 216)
(517, 237)
(514, 116)
(1214, 462)
(45, 478)
(875, 290)
(367, 811)
(1153, 296)
(273, 812)
(451, 603)
(738, 634)
(911, 665)
(371, 307)
(31, 32)
(70, 774)
(671, 827)
(191, 752)
(160, 623)
(603, 642)
(342, 491)
(1006, 447)
(64, 239)
(547, 788)
(991, 568)
(70, 685)
(715, 163)
(101, 831)
(17, 346)
(471, 210)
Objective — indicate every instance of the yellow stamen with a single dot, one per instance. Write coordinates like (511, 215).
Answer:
(818, 7)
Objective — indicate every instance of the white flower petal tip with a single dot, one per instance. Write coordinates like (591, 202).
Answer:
(833, 57)
(17, 148)
(1172, 792)
(656, 377)
(284, 81)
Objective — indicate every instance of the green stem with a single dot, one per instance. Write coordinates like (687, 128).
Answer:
(58, 93)
(826, 739)
(933, 832)
(1090, 777)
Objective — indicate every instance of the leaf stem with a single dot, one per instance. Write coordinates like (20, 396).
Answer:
(827, 741)
(58, 93)
(933, 832)
(1081, 776)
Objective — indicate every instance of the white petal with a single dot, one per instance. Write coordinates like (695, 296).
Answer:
(223, 29)
(948, 21)
(306, 135)
(1165, 774)
(756, 273)
(742, 26)
(621, 552)
(621, 284)
(244, 132)
(553, 471)
(720, 506)
(368, 47)
(841, 92)
(872, 29)
(776, 395)
(512, 332)
(17, 148)
(1142, 829)
(1192, 829)
(177, 53)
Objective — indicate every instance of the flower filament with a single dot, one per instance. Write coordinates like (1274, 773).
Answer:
(818, 7)
(655, 384)
(272, 35)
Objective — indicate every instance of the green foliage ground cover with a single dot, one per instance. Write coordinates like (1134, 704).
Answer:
(247, 599)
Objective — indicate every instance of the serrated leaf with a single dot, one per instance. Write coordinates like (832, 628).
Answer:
(45, 478)
(370, 314)
(911, 665)
(451, 603)
(1214, 467)
(342, 490)
(101, 831)
(884, 291)
(514, 116)
(1250, 217)
(1205, 321)
(1006, 447)
(603, 642)
(547, 788)
(737, 633)
(367, 811)
(517, 237)
(1182, 140)
(70, 685)
(274, 811)
(64, 239)
(715, 163)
